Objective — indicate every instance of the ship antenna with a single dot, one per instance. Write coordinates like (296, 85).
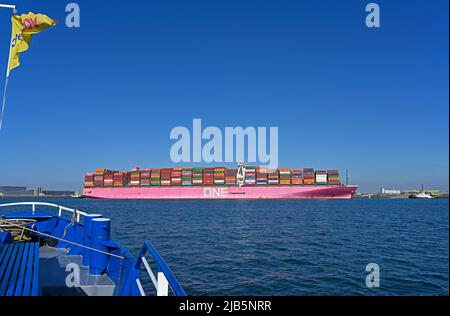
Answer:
(346, 177)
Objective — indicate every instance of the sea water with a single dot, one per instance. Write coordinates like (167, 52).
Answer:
(288, 247)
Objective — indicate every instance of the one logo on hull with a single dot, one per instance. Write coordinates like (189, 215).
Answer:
(215, 193)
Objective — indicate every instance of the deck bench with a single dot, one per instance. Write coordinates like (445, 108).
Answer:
(19, 269)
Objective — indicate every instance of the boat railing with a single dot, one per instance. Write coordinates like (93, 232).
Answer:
(60, 208)
(164, 280)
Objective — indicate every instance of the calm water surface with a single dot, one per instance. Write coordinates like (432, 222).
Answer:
(289, 247)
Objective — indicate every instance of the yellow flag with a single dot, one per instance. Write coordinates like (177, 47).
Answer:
(23, 27)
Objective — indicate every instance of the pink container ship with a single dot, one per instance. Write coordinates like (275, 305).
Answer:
(216, 183)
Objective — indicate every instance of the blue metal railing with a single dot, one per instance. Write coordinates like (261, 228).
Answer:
(121, 266)
(162, 268)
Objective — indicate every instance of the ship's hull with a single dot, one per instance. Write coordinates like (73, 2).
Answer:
(222, 192)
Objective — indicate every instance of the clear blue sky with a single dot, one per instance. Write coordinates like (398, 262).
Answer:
(374, 101)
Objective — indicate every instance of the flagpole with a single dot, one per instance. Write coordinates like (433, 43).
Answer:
(12, 7)
(7, 6)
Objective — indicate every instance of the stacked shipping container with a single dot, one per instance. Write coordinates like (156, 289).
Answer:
(297, 177)
(99, 177)
(261, 176)
(175, 176)
(166, 175)
(273, 177)
(197, 176)
(321, 177)
(333, 177)
(219, 176)
(186, 177)
(108, 179)
(209, 176)
(135, 178)
(285, 176)
(89, 180)
(250, 175)
(308, 176)
(230, 176)
(120, 178)
(155, 178)
(146, 177)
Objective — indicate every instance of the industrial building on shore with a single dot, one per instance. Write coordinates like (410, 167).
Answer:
(22, 191)
(384, 191)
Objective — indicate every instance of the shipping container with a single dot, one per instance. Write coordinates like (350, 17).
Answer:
(218, 176)
(321, 177)
(89, 180)
(120, 179)
(297, 177)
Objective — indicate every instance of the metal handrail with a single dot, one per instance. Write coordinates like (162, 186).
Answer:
(59, 207)
(59, 239)
(165, 275)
